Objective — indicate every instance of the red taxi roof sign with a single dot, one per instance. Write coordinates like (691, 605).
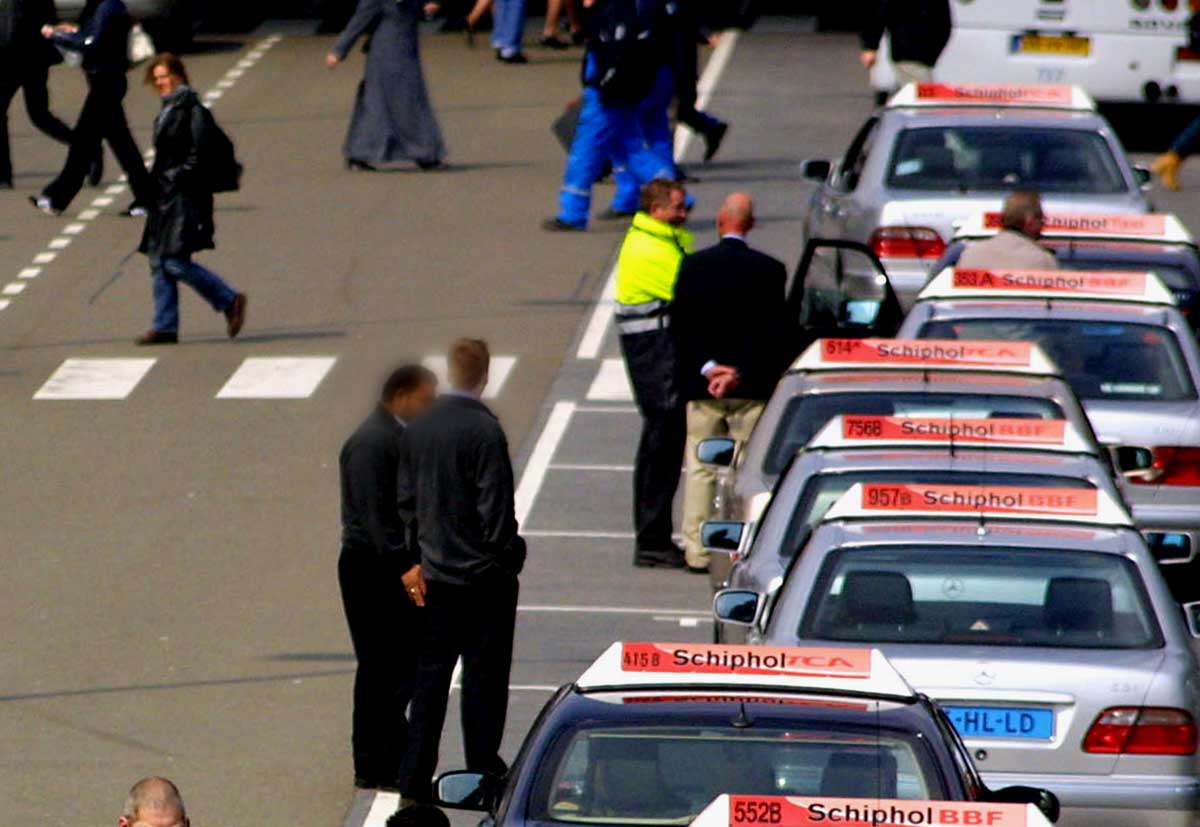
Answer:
(630, 665)
(926, 354)
(891, 500)
(1025, 95)
(862, 431)
(1088, 285)
(796, 811)
(1161, 227)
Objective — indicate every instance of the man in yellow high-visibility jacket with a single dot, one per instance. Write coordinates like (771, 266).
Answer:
(647, 267)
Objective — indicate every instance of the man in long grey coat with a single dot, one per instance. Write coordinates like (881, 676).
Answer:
(393, 119)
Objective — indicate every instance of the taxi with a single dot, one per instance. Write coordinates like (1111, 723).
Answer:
(939, 153)
(1157, 242)
(1047, 453)
(797, 811)
(1131, 358)
(652, 733)
(1036, 617)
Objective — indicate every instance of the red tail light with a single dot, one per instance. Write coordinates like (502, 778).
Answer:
(907, 242)
(1170, 466)
(1142, 730)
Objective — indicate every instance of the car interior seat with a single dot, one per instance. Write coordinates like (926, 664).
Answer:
(860, 774)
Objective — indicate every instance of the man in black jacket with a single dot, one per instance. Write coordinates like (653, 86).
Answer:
(380, 576)
(917, 32)
(731, 334)
(25, 60)
(456, 476)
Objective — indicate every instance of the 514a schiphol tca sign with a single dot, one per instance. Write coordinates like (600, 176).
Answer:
(791, 811)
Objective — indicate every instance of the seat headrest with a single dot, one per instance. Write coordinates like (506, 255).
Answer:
(882, 597)
(1079, 604)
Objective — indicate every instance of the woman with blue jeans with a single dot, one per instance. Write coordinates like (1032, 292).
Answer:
(180, 222)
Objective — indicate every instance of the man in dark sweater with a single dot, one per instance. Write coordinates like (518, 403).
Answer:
(456, 476)
(917, 30)
(378, 567)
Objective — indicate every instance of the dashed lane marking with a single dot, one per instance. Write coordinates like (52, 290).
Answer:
(541, 457)
(29, 273)
(498, 373)
(587, 466)
(95, 379)
(288, 377)
(578, 535)
(611, 383)
(13, 288)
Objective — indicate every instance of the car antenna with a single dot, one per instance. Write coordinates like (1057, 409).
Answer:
(742, 720)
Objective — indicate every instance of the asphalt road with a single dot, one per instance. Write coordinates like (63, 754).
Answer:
(169, 602)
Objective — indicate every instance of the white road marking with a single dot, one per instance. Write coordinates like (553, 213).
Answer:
(541, 456)
(580, 535)
(607, 610)
(611, 383)
(30, 273)
(381, 809)
(95, 379)
(585, 466)
(88, 215)
(60, 243)
(44, 258)
(608, 409)
(498, 373)
(602, 314)
(287, 377)
(225, 83)
(705, 87)
(102, 201)
(74, 229)
(456, 675)
(213, 94)
(4, 303)
(14, 287)
(115, 189)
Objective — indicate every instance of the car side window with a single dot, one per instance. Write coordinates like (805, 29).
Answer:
(855, 159)
(962, 760)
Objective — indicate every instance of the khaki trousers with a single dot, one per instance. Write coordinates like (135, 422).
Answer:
(710, 417)
(910, 71)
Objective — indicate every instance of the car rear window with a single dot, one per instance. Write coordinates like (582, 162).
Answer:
(1100, 359)
(805, 415)
(964, 158)
(975, 596)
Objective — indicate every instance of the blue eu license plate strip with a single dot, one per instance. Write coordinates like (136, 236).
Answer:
(1002, 722)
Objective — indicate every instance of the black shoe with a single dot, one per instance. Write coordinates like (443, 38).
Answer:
(553, 41)
(697, 569)
(43, 203)
(157, 337)
(6, 185)
(418, 815)
(615, 215)
(578, 38)
(370, 782)
(430, 166)
(668, 558)
(557, 225)
(515, 59)
(712, 141)
(96, 171)
(453, 24)
(358, 166)
(136, 210)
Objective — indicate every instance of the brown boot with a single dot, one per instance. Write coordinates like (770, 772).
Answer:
(235, 316)
(157, 337)
(1166, 167)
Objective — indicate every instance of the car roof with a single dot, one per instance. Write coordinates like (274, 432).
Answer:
(1147, 228)
(879, 354)
(1159, 315)
(1119, 286)
(1012, 118)
(940, 458)
(991, 96)
(850, 431)
(1032, 534)
(923, 381)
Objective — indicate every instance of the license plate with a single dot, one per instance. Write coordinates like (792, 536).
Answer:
(1002, 722)
(1048, 44)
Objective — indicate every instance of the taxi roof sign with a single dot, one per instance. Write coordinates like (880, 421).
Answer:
(629, 666)
(1024, 95)
(1161, 227)
(862, 431)
(1091, 506)
(925, 354)
(1086, 285)
(796, 811)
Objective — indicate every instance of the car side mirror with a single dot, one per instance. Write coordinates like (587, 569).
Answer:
(1143, 176)
(816, 169)
(1133, 462)
(1044, 800)
(722, 536)
(1191, 613)
(716, 450)
(467, 790)
(1169, 546)
(737, 607)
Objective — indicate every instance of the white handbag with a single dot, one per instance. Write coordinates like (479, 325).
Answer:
(141, 47)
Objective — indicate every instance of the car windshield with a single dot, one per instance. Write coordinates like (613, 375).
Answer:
(981, 596)
(667, 775)
(805, 415)
(1100, 360)
(941, 158)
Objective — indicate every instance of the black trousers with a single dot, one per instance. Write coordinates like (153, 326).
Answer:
(650, 359)
(101, 119)
(685, 95)
(475, 623)
(385, 630)
(31, 80)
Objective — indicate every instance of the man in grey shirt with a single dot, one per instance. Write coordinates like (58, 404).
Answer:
(1015, 247)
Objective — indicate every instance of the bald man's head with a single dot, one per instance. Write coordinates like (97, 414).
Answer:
(154, 802)
(1023, 213)
(736, 216)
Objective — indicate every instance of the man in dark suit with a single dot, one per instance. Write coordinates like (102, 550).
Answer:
(25, 60)
(456, 476)
(730, 332)
(380, 578)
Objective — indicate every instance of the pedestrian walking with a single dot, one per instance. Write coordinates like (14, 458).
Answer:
(379, 571)
(554, 14)
(154, 802)
(457, 479)
(647, 267)
(25, 61)
(508, 28)
(180, 220)
(730, 325)
(917, 31)
(102, 38)
(393, 119)
(1015, 246)
(619, 69)
(694, 30)
(1168, 165)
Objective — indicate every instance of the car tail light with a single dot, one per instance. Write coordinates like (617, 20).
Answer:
(1142, 730)
(907, 242)
(1183, 53)
(1169, 466)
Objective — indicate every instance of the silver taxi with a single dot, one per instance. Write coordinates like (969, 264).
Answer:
(938, 153)
(1036, 617)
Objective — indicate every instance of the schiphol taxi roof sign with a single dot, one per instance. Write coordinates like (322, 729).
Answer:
(1027, 95)
(925, 354)
(795, 811)
(1089, 285)
(861, 431)
(627, 665)
(1090, 506)
(1161, 227)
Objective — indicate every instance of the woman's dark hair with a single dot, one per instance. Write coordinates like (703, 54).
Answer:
(172, 62)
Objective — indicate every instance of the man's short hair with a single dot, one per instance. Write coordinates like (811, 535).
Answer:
(406, 379)
(153, 793)
(172, 62)
(1019, 208)
(657, 193)
(467, 364)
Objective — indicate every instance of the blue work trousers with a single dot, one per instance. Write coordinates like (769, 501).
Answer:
(654, 119)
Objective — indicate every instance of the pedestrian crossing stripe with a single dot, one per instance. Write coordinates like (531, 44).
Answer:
(95, 379)
(611, 383)
(287, 377)
(501, 367)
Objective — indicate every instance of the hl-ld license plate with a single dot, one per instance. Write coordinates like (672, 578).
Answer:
(1002, 722)
(1052, 44)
